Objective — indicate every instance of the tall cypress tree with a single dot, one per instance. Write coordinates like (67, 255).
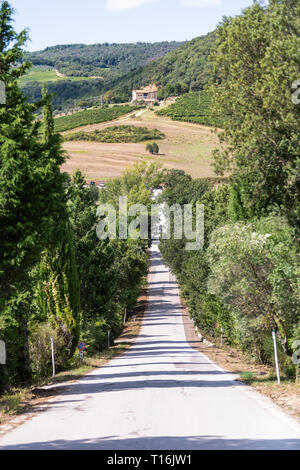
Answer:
(31, 192)
(59, 291)
(48, 122)
(30, 180)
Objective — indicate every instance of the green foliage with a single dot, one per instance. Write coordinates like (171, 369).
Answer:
(192, 268)
(58, 289)
(92, 116)
(40, 350)
(131, 255)
(256, 61)
(110, 63)
(176, 67)
(188, 65)
(94, 258)
(108, 60)
(48, 123)
(95, 334)
(31, 198)
(30, 178)
(172, 89)
(152, 148)
(117, 134)
(254, 269)
(192, 107)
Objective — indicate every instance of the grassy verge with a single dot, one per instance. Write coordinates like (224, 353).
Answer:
(28, 399)
(261, 377)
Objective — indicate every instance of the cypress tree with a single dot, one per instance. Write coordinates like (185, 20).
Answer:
(31, 196)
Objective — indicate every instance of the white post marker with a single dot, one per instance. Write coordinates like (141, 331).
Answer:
(276, 357)
(108, 337)
(125, 317)
(2, 353)
(52, 354)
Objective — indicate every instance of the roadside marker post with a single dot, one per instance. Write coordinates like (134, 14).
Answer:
(52, 355)
(276, 357)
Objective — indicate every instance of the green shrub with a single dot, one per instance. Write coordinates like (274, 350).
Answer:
(117, 134)
(254, 269)
(40, 350)
(95, 335)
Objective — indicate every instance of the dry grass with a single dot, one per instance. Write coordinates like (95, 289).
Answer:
(187, 146)
(261, 377)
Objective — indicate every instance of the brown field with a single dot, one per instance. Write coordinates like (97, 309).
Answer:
(186, 146)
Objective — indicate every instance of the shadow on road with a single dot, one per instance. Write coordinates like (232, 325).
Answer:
(161, 443)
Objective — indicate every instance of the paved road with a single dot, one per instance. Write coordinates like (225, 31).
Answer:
(161, 394)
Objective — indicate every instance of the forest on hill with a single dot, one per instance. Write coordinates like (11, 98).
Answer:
(131, 66)
(81, 60)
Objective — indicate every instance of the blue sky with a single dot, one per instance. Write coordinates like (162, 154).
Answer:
(96, 21)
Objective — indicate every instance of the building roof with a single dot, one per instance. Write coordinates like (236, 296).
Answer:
(147, 89)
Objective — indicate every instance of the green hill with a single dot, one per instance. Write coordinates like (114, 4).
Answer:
(187, 64)
(80, 60)
(122, 67)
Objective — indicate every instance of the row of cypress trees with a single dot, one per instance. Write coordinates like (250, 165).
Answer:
(37, 250)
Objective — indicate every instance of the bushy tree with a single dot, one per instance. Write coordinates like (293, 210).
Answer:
(256, 61)
(95, 258)
(254, 268)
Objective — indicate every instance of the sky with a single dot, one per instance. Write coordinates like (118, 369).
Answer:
(52, 22)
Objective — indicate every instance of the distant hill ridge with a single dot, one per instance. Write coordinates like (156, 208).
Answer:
(89, 60)
(123, 68)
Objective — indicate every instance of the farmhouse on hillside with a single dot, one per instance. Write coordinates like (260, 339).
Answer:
(147, 94)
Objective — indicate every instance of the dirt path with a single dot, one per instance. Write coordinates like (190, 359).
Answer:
(60, 75)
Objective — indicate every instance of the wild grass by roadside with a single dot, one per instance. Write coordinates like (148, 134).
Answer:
(261, 377)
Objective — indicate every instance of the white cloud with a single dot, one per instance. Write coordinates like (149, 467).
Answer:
(200, 3)
(118, 5)
(121, 5)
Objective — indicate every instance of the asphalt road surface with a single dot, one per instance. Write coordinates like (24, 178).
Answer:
(160, 395)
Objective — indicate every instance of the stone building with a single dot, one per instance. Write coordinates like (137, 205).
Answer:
(146, 94)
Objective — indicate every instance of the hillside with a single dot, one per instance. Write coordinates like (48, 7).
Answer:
(80, 60)
(192, 107)
(187, 64)
(127, 66)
